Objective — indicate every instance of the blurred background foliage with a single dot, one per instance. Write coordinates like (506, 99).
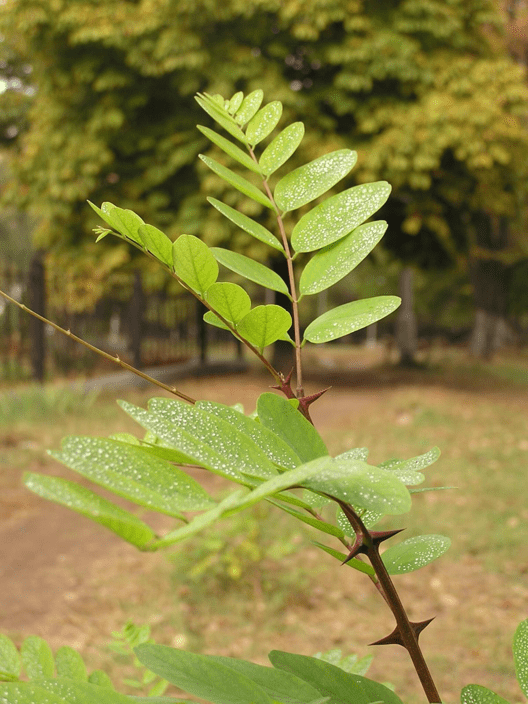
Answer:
(97, 104)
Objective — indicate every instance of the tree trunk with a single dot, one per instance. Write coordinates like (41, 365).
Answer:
(406, 327)
(283, 358)
(490, 277)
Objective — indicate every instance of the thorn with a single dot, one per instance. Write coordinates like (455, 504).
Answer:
(358, 547)
(376, 536)
(285, 385)
(306, 401)
(395, 638)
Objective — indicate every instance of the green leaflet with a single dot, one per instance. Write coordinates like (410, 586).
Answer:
(520, 655)
(101, 679)
(273, 446)
(277, 414)
(194, 264)
(414, 553)
(329, 680)
(264, 325)
(231, 149)
(350, 317)
(415, 464)
(250, 269)
(220, 116)
(201, 675)
(323, 526)
(81, 692)
(174, 437)
(247, 224)
(235, 103)
(89, 504)
(238, 182)
(70, 664)
(310, 181)
(348, 663)
(249, 107)
(10, 665)
(157, 243)
(356, 453)
(229, 300)
(281, 148)
(138, 476)
(236, 448)
(338, 216)
(354, 563)
(337, 260)
(213, 319)
(104, 214)
(264, 122)
(362, 485)
(475, 694)
(126, 222)
(27, 693)
(37, 658)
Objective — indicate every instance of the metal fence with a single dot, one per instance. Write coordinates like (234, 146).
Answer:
(144, 328)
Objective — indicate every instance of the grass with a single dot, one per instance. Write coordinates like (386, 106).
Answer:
(253, 583)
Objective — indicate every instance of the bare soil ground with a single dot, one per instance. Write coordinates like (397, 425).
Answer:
(71, 582)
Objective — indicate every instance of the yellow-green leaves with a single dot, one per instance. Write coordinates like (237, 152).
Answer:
(263, 123)
(336, 260)
(310, 181)
(414, 553)
(157, 243)
(230, 300)
(250, 269)
(229, 148)
(37, 658)
(337, 216)
(281, 148)
(247, 224)
(10, 665)
(70, 664)
(249, 107)
(238, 182)
(194, 263)
(350, 317)
(264, 325)
(476, 694)
(520, 655)
(223, 118)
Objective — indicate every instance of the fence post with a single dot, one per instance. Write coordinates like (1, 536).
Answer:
(201, 326)
(137, 305)
(37, 302)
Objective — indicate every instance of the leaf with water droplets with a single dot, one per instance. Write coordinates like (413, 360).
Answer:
(157, 243)
(475, 694)
(229, 300)
(356, 453)
(82, 692)
(194, 263)
(37, 658)
(415, 464)
(350, 317)
(360, 484)
(250, 269)
(332, 681)
(10, 665)
(337, 260)
(231, 149)
(27, 693)
(136, 475)
(249, 107)
(414, 553)
(278, 451)
(70, 664)
(238, 182)
(338, 216)
(221, 116)
(86, 502)
(277, 414)
(354, 563)
(222, 437)
(310, 181)
(520, 655)
(235, 102)
(264, 122)
(281, 148)
(247, 224)
(264, 325)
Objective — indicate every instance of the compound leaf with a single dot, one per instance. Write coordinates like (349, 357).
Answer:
(250, 269)
(264, 122)
(194, 263)
(414, 553)
(281, 148)
(86, 502)
(310, 181)
(238, 182)
(247, 224)
(350, 317)
(264, 325)
(338, 216)
(337, 260)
